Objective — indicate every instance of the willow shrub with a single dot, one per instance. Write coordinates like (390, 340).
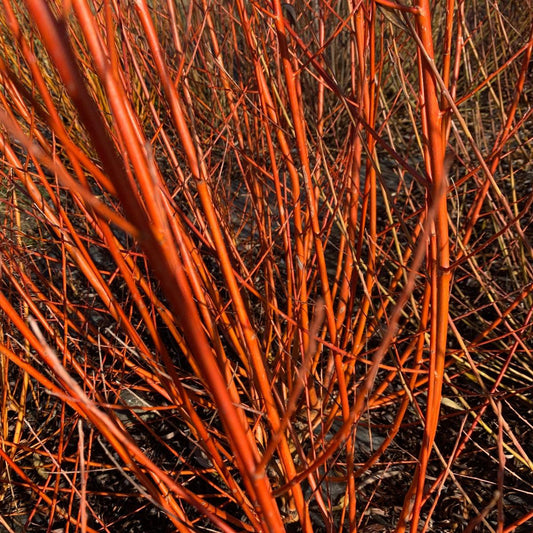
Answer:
(243, 287)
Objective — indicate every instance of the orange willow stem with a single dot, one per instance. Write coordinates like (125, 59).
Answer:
(155, 241)
(194, 154)
(503, 137)
(440, 274)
